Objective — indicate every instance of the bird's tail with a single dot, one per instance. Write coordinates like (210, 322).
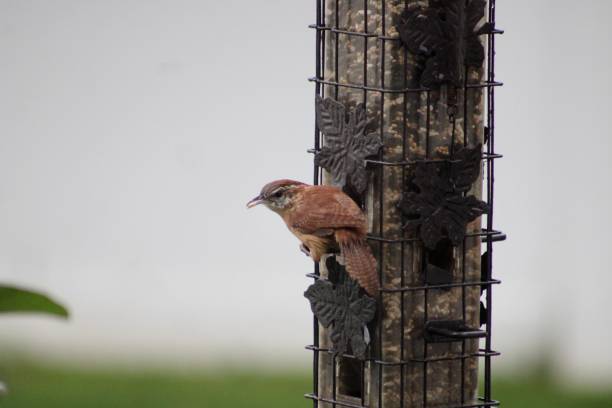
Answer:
(359, 261)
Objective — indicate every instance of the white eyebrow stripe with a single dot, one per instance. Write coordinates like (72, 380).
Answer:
(281, 188)
(276, 190)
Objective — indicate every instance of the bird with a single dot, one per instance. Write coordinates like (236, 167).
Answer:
(325, 220)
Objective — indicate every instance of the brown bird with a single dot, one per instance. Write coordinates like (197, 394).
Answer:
(324, 219)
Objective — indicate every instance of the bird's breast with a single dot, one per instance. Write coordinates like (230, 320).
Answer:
(317, 245)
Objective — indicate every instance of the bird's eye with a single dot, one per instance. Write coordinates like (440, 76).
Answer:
(278, 194)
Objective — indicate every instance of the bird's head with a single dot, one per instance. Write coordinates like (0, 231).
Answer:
(278, 195)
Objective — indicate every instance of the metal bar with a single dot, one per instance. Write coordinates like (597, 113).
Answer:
(340, 31)
(383, 51)
(458, 357)
(382, 89)
(480, 353)
(402, 248)
(368, 88)
(463, 309)
(365, 101)
(495, 31)
(414, 162)
(365, 51)
(427, 120)
(372, 35)
(473, 334)
(490, 181)
(494, 235)
(486, 84)
(337, 49)
(333, 401)
(463, 250)
(428, 287)
(319, 58)
(336, 91)
(486, 283)
(453, 134)
(425, 294)
(322, 64)
(485, 156)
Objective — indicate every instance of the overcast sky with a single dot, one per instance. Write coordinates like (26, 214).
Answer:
(134, 132)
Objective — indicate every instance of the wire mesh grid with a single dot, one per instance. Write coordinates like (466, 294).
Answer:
(377, 362)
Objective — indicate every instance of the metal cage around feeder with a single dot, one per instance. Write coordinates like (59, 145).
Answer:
(410, 78)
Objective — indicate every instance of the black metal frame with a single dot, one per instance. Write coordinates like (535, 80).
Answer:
(487, 234)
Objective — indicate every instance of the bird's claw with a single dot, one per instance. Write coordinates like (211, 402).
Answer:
(305, 249)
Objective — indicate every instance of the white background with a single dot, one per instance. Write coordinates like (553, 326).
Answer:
(134, 132)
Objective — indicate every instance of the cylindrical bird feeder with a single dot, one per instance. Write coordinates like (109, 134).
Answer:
(405, 125)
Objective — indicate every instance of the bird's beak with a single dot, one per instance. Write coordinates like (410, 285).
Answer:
(257, 200)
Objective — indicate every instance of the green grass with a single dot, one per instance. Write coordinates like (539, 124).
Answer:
(542, 393)
(37, 386)
(32, 386)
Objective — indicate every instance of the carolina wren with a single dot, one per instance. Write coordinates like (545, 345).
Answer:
(324, 219)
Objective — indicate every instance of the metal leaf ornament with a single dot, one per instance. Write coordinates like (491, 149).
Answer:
(437, 207)
(344, 306)
(346, 144)
(445, 34)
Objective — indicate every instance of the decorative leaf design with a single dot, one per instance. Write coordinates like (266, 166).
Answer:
(445, 34)
(465, 168)
(437, 206)
(345, 307)
(21, 300)
(346, 144)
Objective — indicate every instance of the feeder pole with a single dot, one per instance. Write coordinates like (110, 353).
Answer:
(415, 360)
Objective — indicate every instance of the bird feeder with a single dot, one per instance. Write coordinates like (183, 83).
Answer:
(405, 126)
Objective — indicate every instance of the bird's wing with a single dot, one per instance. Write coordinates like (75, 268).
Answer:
(324, 209)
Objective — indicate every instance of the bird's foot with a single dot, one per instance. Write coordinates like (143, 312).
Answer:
(305, 249)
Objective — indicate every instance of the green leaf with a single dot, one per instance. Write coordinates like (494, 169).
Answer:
(14, 299)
